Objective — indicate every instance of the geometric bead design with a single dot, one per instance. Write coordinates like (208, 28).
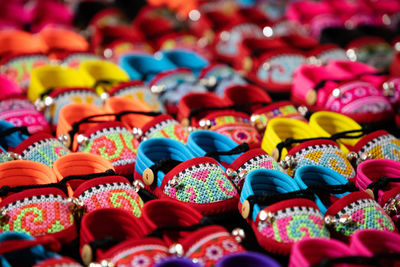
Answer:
(38, 215)
(383, 147)
(117, 144)
(201, 183)
(325, 155)
(169, 129)
(293, 224)
(45, 151)
(112, 195)
(365, 214)
(211, 248)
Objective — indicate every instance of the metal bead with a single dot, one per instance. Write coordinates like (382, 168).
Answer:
(39, 105)
(337, 93)
(290, 161)
(137, 132)
(209, 81)
(138, 185)
(191, 129)
(176, 249)
(231, 173)
(345, 219)
(238, 234)
(302, 110)
(3, 212)
(351, 156)
(205, 124)
(65, 139)
(242, 174)
(351, 54)
(108, 53)
(366, 156)
(393, 207)
(82, 140)
(13, 156)
(76, 206)
(173, 182)
(266, 66)
(284, 164)
(157, 89)
(104, 96)
(266, 216)
(388, 88)
(329, 220)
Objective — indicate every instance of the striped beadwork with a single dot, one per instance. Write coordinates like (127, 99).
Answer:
(202, 183)
(365, 214)
(117, 144)
(68, 97)
(326, 155)
(112, 195)
(383, 147)
(211, 248)
(259, 162)
(168, 128)
(239, 129)
(45, 151)
(38, 215)
(21, 112)
(293, 224)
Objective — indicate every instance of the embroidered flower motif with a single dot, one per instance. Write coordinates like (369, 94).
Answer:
(229, 245)
(214, 252)
(140, 260)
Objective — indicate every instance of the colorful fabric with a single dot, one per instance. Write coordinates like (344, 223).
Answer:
(376, 54)
(383, 147)
(202, 183)
(293, 224)
(259, 162)
(239, 129)
(365, 214)
(169, 128)
(286, 111)
(68, 97)
(357, 97)
(21, 112)
(141, 92)
(117, 144)
(223, 76)
(4, 157)
(112, 195)
(175, 84)
(211, 248)
(37, 215)
(326, 155)
(45, 151)
(141, 256)
(19, 68)
(279, 69)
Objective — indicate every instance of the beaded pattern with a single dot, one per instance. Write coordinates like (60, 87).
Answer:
(211, 248)
(365, 214)
(293, 224)
(21, 112)
(45, 151)
(142, 93)
(237, 128)
(325, 155)
(281, 69)
(169, 128)
(225, 77)
(383, 147)
(38, 215)
(19, 68)
(178, 84)
(202, 183)
(73, 96)
(287, 111)
(141, 256)
(259, 162)
(75, 59)
(112, 195)
(358, 97)
(116, 144)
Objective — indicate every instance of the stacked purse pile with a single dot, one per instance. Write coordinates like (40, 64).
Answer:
(200, 133)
